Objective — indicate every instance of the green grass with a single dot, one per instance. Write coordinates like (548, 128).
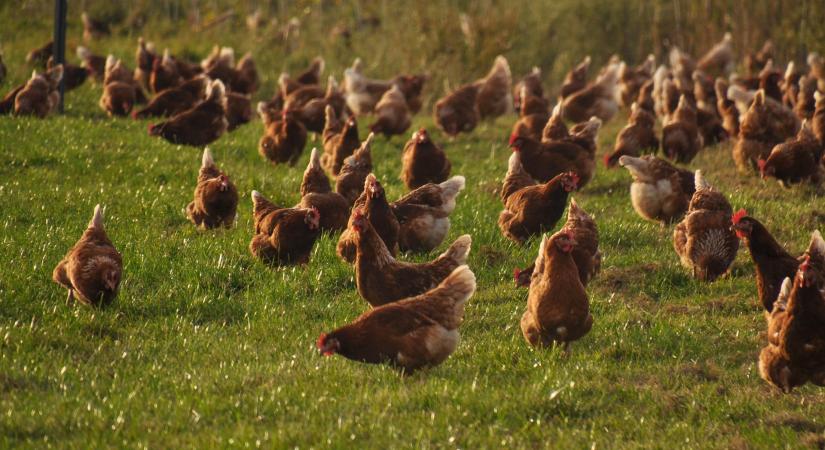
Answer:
(205, 347)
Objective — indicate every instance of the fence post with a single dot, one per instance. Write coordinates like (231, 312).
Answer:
(59, 49)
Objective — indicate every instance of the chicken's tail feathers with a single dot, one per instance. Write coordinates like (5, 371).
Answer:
(207, 160)
(462, 280)
(459, 250)
(97, 217)
(451, 187)
(817, 245)
(699, 181)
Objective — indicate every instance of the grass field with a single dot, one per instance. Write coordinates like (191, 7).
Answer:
(205, 347)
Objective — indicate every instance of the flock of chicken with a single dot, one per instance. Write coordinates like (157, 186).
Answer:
(777, 119)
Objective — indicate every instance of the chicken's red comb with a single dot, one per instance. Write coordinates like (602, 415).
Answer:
(606, 160)
(149, 129)
(516, 273)
(738, 215)
(321, 339)
(575, 177)
(513, 138)
(761, 163)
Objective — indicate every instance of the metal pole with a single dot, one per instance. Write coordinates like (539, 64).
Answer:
(59, 49)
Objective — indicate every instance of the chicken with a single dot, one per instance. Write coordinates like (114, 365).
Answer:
(312, 74)
(424, 214)
(73, 76)
(531, 84)
(93, 268)
(495, 96)
(94, 29)
(535, 209)
(392, 114)
(755, 62)
(558, 311)
(201, 125)
(795, 161)
(362, 93)
(238, 110)
(356, 167)
(555, 129)
(458, 111)
(40, 55)
(164, 73)
(175, 100)
(283, 236)
(220, 65)
(317, 193)
(576, 79)
(795, 353)
(660, 192)
(772, 263)
(790, 85)
(596, 99)
(645, 99)
(381, 279)
(726, 108)
(805, 100)
(95, 65)
(374, 206)
(516, 177)
(770, 80)
(313, 113)
(634, 139)
(120, 91)
(765, 124)
(704, 240)
(284, 137)
(818, 119)
(576, 153)
(533, 116)
(40, 96)
(410, 334)
(216, 198)
(145, 57)
(632, 79)
(423, 161)
(719, 58)
(340, 141)
(681, 140)
(246, 79)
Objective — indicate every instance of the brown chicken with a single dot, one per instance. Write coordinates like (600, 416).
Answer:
(704, 240)
(120, 91)
(545, 160)
(362, 93)
(246, 79)
(719, 58)
(495, 96)
(531, 84)
(770, 80)
(40, 55)
(637, 137)
(410, 334)
(284, 137)
(772, 263)
(39, 96)
(681, 140)
(796, 160)
(93, 268)
(726, 108)
(391, 113)
(516, 178)
(795, 353)
(216, 198)
(660, 192)
(755, 62)
(533, 116)
(164, 73)
(340, 141)
(458, 111)
(317, 193)
(424, 214)
(596, 99)
(73, 76)
(576, 79)
(759, 131)
(806, 98)
(374, 206)
(558, 311)
(818, 119)
(238, 110)
(312, 74)
(313, 112)
(585, 253)
(356, 167)
(199, 126)
(381, 279)
(175, 100)
(283, 236)
(145, 57)
(631, 79)
(555, 129)
(535, 209)
(94, 29)
(422, 161)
